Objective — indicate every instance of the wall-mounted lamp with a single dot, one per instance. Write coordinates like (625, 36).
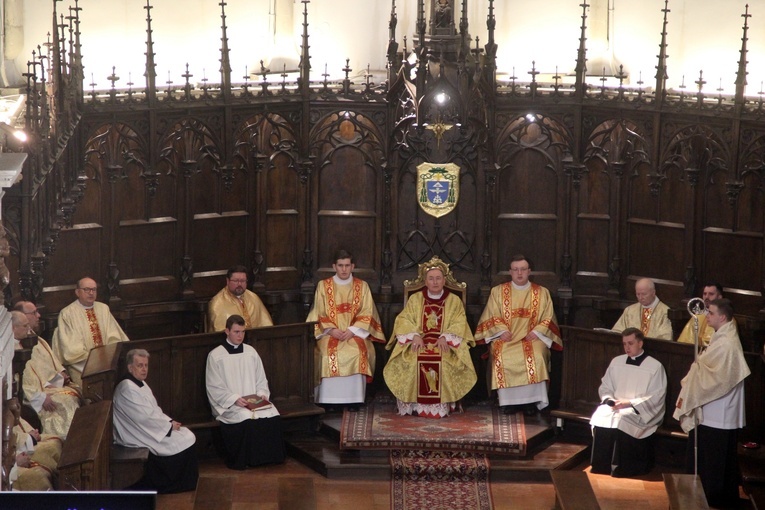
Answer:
(12, 138)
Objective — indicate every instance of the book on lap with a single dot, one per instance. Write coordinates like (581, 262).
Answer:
(255, 402)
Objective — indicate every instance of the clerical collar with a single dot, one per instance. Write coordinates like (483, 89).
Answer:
(339, 281)
(521, 287)
(240, 298)
(130, 377)
(653, 304)
(85, 307)
(436, 296)
(637, 360)
(231, 348)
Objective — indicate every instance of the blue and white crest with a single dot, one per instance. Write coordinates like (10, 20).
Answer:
(438, 187)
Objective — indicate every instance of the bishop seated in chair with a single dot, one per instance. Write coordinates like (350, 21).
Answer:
(430, 368)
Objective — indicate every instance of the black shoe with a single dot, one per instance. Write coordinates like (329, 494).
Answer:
(530, 409)
(510, 409)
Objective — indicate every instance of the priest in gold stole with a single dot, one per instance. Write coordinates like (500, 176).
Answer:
(649, 314)
(430, 368)
(83, 325)
(347, 324)
(519, 323)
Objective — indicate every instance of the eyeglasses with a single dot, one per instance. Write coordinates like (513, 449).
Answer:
(88, 289)
(239, 281)
(33, 312)
(519, 269)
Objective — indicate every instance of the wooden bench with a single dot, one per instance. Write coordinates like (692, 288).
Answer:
(586, 357)
(685, 492)
(573, 491)
(177, 378)
(126, 465)
(177, 371)
(84, 463)
(587, 354)
(583, 414)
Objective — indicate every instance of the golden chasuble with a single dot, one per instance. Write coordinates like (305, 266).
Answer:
(403, 373)
(343, 307)
(519, 311)
(333, 309)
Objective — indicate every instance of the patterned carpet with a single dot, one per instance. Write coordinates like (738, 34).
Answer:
(428, 480)
(481, 428)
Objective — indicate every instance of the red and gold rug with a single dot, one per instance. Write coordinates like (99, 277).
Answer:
(481, 428)
(439, 480)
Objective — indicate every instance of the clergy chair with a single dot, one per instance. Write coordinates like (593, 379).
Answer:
(416, 285)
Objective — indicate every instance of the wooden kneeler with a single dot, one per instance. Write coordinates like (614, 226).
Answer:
(685, 492)
(573, 491)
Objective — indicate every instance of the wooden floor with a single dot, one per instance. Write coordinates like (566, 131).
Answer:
(292, 486)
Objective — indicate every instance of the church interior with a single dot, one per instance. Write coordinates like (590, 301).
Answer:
(166, 142)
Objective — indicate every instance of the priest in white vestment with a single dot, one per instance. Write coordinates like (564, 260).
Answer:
(711, 404)
(83, 325)
(632, 395)
(49, 390)
(37, 457)
(140, 422)
(649, 314)
(238, 392)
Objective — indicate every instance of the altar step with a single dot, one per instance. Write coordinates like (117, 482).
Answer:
(320, 450)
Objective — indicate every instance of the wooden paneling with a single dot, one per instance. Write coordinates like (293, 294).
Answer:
(225, 242)
(665, 264)
(158, 236)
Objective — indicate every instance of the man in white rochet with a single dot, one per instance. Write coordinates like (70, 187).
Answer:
(140, 422)
(632, 394)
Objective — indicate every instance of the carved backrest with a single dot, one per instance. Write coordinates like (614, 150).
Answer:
(416, 285)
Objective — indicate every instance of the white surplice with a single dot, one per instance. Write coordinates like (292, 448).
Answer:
(230, 376)
(140, 422)
(645, 386)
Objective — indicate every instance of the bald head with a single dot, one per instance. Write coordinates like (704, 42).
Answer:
(20, 325)
(86, 291)
(29, 309)
(645, 291)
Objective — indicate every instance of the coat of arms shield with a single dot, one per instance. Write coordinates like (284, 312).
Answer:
(438, 187)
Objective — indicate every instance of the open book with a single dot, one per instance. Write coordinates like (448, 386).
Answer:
(254, 402)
